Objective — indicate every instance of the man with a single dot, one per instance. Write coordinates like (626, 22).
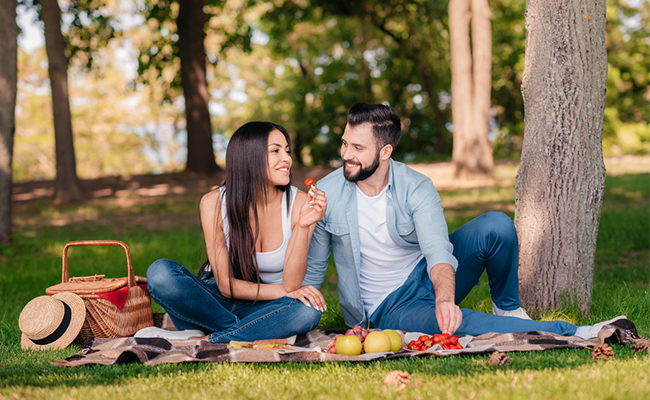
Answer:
(397, 266)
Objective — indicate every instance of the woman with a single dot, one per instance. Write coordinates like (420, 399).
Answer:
(257, 229)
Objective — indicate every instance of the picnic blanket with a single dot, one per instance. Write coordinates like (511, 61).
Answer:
(312, 347)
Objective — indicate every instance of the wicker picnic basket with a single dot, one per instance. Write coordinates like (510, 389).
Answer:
(103, 318)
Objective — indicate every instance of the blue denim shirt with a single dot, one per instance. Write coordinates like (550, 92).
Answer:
(414, 219)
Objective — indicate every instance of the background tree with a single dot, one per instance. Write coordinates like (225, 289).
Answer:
(341, 52)
(561, 178)
(471, 77)
(191, 51)
(627, 115)
(177, 49)
(309, 61)
(8, 87)
(66, 183)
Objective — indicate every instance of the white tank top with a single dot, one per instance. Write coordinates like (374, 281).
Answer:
(270, 263)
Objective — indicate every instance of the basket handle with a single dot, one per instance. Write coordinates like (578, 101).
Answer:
(130, 277)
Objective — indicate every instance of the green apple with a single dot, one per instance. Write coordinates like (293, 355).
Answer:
(377, 342)
(350, 345)
(395, 340)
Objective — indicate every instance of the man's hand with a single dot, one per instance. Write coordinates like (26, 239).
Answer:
(449, 316)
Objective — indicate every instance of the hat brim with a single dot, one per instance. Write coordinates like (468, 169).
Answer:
(78, 310)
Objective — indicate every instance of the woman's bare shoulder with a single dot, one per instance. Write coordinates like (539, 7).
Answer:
(211, 200)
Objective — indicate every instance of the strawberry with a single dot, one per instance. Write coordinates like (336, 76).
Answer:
(309, 182)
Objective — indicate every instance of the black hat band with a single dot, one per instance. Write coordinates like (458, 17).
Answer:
(63, 327)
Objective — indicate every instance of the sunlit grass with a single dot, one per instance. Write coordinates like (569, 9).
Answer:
(621, 286)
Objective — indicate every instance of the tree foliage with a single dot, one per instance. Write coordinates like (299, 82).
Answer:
(303, 63)
(628, 82)
(158, 59)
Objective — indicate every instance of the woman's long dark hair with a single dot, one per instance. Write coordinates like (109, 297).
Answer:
(246, 183)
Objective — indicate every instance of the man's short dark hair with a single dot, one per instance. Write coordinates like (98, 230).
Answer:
(386, 124)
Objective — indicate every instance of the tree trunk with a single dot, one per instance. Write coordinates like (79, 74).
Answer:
(191, 51)
(67, 184)
(470, 86)
(561, 179)
(427, 84)
(8, 81)
(480, 159)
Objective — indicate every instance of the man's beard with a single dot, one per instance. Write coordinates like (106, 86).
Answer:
(364, 173)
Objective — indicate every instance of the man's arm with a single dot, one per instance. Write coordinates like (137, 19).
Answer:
(433, 237)
(448, 314)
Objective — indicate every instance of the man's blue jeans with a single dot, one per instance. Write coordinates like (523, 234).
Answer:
(489, 243)
(194, 303)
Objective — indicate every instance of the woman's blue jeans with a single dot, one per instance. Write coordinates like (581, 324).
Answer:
(487, 243)
(194, 303)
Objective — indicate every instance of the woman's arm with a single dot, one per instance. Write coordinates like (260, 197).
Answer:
(303, 221)
(215, 242)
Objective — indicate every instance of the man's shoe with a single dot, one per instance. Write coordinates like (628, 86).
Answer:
(155, 332)
(518, 313)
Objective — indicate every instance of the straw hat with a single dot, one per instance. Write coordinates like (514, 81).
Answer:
(51, 322)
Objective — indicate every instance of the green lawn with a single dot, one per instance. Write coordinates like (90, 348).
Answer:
(621, 286)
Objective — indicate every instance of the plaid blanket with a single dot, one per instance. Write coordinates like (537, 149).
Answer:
(311, 347)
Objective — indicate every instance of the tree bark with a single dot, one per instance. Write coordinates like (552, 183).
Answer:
(480, 159)
(67, 184)
(561, 179)
(191, 51)
(461, 77)
(471, 69)
(8, 87)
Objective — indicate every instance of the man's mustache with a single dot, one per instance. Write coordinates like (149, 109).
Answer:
(350, 162)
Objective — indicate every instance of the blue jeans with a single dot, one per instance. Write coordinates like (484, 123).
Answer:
(489, 243)
(194, 303)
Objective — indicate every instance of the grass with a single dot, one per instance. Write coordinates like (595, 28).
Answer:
(621, 286)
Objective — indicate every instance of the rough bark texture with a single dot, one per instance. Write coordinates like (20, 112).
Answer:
(478, 148)
(461, 74)
(471, 76)
(67, 184)
(8, 79)
(191, 51)
(561, 179)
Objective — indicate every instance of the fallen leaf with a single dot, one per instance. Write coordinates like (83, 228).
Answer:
(529, 379)
(588, 17)
(400, 387)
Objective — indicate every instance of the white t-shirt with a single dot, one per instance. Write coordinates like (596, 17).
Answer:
(384, 265)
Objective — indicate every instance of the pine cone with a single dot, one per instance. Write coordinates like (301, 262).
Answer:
(397, 377)
(641, 345)
(498, 358)
(602, 351)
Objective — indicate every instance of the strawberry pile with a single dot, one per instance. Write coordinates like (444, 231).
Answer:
(425, 342)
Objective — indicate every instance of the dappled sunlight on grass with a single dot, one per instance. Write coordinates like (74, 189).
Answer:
(166, 226)
(571, 316)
